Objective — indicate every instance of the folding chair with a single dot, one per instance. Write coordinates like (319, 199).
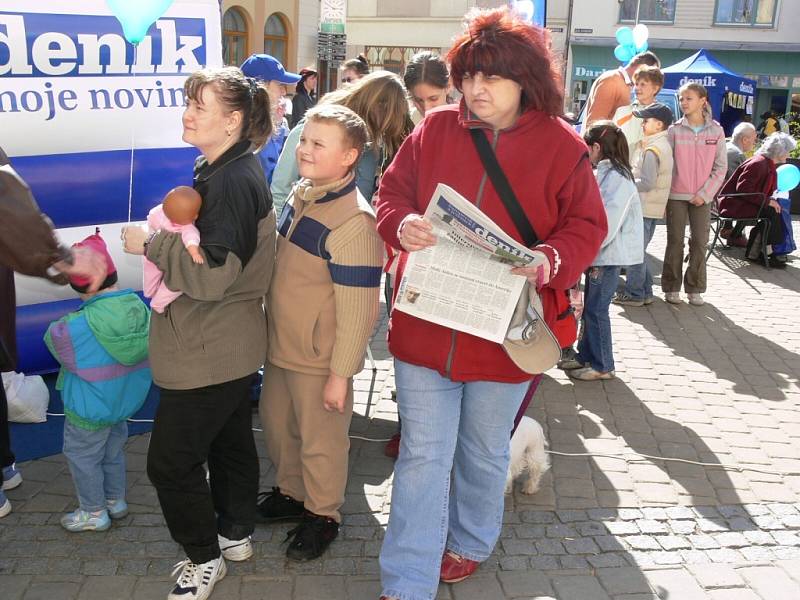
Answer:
(718, 222)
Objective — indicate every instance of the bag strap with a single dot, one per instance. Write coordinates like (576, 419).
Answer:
(503, 188)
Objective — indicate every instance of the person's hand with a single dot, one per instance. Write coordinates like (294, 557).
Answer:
(334, 394)
(85, 263)
(194, 252)
(416, 234)
(775, 204)
(538, 273)
(697, 201)
(133, 238)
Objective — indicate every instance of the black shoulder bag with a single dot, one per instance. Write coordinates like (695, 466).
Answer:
(500, 182)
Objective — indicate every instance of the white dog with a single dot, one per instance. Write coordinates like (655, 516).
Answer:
(527, 454)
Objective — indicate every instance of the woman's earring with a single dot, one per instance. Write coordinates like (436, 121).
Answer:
(227, 131)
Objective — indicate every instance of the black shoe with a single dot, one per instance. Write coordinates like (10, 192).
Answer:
(777, 262)
(274, 506)
(773, 261)
(312, 537)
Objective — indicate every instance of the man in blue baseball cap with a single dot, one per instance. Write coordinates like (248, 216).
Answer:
(267, 68)
(271, 75)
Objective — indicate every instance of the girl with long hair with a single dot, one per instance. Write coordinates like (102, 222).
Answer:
(428, 82)
(701, 161)
(623, 246)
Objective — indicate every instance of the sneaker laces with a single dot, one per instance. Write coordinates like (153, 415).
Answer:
(188, 576)
(456, 557)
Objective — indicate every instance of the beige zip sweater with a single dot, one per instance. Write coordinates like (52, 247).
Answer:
(324, 298)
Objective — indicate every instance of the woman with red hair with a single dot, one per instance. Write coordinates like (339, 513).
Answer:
(458, 394)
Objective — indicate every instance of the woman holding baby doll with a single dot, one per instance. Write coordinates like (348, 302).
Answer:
(211, 339)
(460, 393)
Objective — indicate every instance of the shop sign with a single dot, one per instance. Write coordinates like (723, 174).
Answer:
(588, 72)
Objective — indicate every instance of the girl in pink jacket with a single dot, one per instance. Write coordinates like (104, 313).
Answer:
(701, 161)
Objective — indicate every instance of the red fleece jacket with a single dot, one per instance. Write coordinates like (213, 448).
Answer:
(547, 166)
(757, 175)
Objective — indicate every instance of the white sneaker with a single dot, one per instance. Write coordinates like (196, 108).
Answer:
(673, 297)
(235, 550)
(196, 582)
(5, 505)
(696, 299)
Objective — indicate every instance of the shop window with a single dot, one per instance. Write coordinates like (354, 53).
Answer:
(276, 37)
(392, 58)
(650, 11)
(752, 13)
(234, 37)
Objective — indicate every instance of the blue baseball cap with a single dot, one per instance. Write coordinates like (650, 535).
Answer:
(268, 68)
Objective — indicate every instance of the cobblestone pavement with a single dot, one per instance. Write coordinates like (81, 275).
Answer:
(711, 384)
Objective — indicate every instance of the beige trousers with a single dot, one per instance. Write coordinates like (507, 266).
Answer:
(679, 212)
(308, 445)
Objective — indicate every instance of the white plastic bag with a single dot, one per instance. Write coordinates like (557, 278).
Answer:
(28, 398)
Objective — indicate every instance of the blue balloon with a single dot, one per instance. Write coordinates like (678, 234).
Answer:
(625, 36)
(788, 177)
(136, 16)
(643, 47)
(623, 53)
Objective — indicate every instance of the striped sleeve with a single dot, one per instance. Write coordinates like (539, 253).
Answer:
(355, 265)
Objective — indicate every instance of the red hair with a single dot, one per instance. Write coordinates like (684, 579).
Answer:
(498, 43)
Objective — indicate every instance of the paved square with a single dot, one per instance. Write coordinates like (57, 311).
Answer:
(716, 385)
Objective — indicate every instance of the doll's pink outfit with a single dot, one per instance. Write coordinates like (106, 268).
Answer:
(154, 288)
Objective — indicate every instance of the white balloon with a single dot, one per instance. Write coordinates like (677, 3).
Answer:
(640, 34)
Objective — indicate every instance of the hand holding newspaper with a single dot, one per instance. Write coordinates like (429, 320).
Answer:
(464, 281)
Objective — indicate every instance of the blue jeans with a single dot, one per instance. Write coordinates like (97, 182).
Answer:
(594, 347)
(448, 427)
(96, 460)
(639, 278)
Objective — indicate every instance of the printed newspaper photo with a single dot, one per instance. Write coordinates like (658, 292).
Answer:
(464, 281)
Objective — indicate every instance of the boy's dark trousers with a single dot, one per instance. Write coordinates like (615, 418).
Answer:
(211, 424)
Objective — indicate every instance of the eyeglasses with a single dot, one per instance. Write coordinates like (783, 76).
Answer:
(347, 79)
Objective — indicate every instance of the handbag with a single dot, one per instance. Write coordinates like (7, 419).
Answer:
(529, 341)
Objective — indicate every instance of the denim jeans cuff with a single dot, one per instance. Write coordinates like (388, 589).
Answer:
(403, 596)
(466, 553)
(91, 508)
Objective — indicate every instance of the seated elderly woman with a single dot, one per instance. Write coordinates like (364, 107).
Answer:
(740, 145)
(757, 178)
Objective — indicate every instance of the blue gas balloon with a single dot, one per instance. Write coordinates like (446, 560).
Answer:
(624, 53)
(625, 36)
(136, 16)
(788, 177)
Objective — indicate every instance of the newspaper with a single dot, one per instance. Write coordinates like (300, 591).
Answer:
(464, 281)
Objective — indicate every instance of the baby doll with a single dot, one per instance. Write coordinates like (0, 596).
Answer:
(177, 214)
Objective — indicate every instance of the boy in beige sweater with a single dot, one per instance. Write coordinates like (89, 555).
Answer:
(322, 309)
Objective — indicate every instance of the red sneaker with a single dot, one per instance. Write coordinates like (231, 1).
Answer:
(392, 448)
(456, 568)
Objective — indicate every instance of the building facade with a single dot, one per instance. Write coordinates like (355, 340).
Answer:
(389, 32)
(756, 38)
(286, 29)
